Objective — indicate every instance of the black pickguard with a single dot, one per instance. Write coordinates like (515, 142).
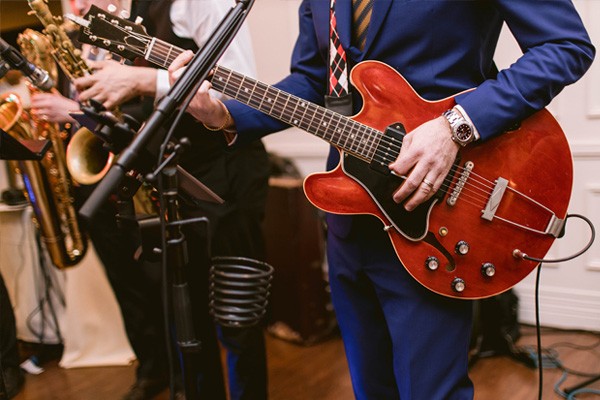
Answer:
(413, 225)
(381, 184)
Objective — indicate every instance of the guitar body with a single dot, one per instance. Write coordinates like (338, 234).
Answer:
(534, 158)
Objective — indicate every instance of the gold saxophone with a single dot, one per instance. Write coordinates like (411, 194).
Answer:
(48, 184)
(86, 158)
(87, 161)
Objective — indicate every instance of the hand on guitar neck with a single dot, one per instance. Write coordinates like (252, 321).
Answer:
(204, 107)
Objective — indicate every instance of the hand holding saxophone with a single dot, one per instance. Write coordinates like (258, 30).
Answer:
(53, 107)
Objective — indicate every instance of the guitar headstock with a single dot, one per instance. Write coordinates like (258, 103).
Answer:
(117, 35)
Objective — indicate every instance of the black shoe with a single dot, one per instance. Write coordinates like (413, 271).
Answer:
(145, 389)
(14, 378)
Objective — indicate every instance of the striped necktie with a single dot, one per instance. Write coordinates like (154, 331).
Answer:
(361, 16)
(338, 69)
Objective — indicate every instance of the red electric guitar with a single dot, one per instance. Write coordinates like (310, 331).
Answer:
(504, 198)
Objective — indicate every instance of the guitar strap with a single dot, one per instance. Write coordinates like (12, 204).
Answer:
(338, 97)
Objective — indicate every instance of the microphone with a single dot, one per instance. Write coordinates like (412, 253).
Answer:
(4, 67)
(16, 60)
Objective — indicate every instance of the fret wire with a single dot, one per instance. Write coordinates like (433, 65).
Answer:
(369, 143)
(303, 108)
(311, 113)
(356, 136)
(361, 139)
(335, 127)
(319, 124)
(293, 119)
(270, 100)
(263, 87)
(375, 141)
(239, 87)
(252, 94)
(283, 102)
(330, 125)
(341, 130)
(287, 100)
(293, 110)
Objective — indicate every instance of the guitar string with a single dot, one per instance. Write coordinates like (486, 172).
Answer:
(165, 50)
(466, 189)
(291, 118)
(263, 89)
(468, 193)
(170, 56)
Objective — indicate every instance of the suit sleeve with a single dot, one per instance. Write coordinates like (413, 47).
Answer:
(557, 51)
(307, 80)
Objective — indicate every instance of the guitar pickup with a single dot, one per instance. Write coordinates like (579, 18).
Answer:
(386, 152)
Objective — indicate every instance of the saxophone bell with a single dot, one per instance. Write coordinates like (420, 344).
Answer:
(87, 159)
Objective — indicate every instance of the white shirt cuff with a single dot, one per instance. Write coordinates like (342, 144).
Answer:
(162, 83)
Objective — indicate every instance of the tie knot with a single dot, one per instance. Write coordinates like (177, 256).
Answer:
(361, 16)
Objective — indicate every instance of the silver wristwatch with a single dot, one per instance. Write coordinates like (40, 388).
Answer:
(462, 131)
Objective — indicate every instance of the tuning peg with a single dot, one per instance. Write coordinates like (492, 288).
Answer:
(138, 20)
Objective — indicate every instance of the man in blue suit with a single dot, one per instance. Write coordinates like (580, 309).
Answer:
(402, 341)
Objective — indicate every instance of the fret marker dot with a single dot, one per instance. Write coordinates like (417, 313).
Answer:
(295, 121)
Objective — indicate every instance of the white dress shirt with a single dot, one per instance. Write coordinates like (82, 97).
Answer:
(196, 20)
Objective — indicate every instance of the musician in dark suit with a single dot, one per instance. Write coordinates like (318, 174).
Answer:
(239, 177)
(401, 340)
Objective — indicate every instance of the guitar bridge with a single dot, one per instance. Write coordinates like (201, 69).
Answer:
(460, 184)
(494, 201)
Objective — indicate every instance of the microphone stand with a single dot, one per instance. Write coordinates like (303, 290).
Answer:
(176, 251)
(176, 258)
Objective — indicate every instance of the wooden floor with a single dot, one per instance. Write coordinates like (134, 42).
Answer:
(320, 372)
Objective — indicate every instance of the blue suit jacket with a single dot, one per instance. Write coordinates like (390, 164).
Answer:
(443, 47)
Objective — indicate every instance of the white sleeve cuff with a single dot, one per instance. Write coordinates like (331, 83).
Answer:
(162, 83)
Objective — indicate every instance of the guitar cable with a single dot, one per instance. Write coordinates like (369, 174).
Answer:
(571, 257)
(537, 293)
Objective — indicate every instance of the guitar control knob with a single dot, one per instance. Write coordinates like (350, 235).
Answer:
(458, 285)
(462, 248)
(432, 263)
(488, 269)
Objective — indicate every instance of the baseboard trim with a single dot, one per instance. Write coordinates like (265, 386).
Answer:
(560, 307)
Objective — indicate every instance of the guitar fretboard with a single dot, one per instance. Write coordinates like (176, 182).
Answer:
(353, 137)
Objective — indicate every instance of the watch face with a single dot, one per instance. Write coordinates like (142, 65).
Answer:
(463, 132)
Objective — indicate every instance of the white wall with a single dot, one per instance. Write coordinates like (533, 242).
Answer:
(569, 291)
(274, 26)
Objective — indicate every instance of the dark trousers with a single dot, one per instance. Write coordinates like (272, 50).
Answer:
(401, 340)
(9, 353)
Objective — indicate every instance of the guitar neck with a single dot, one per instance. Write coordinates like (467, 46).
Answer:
(341, 131)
